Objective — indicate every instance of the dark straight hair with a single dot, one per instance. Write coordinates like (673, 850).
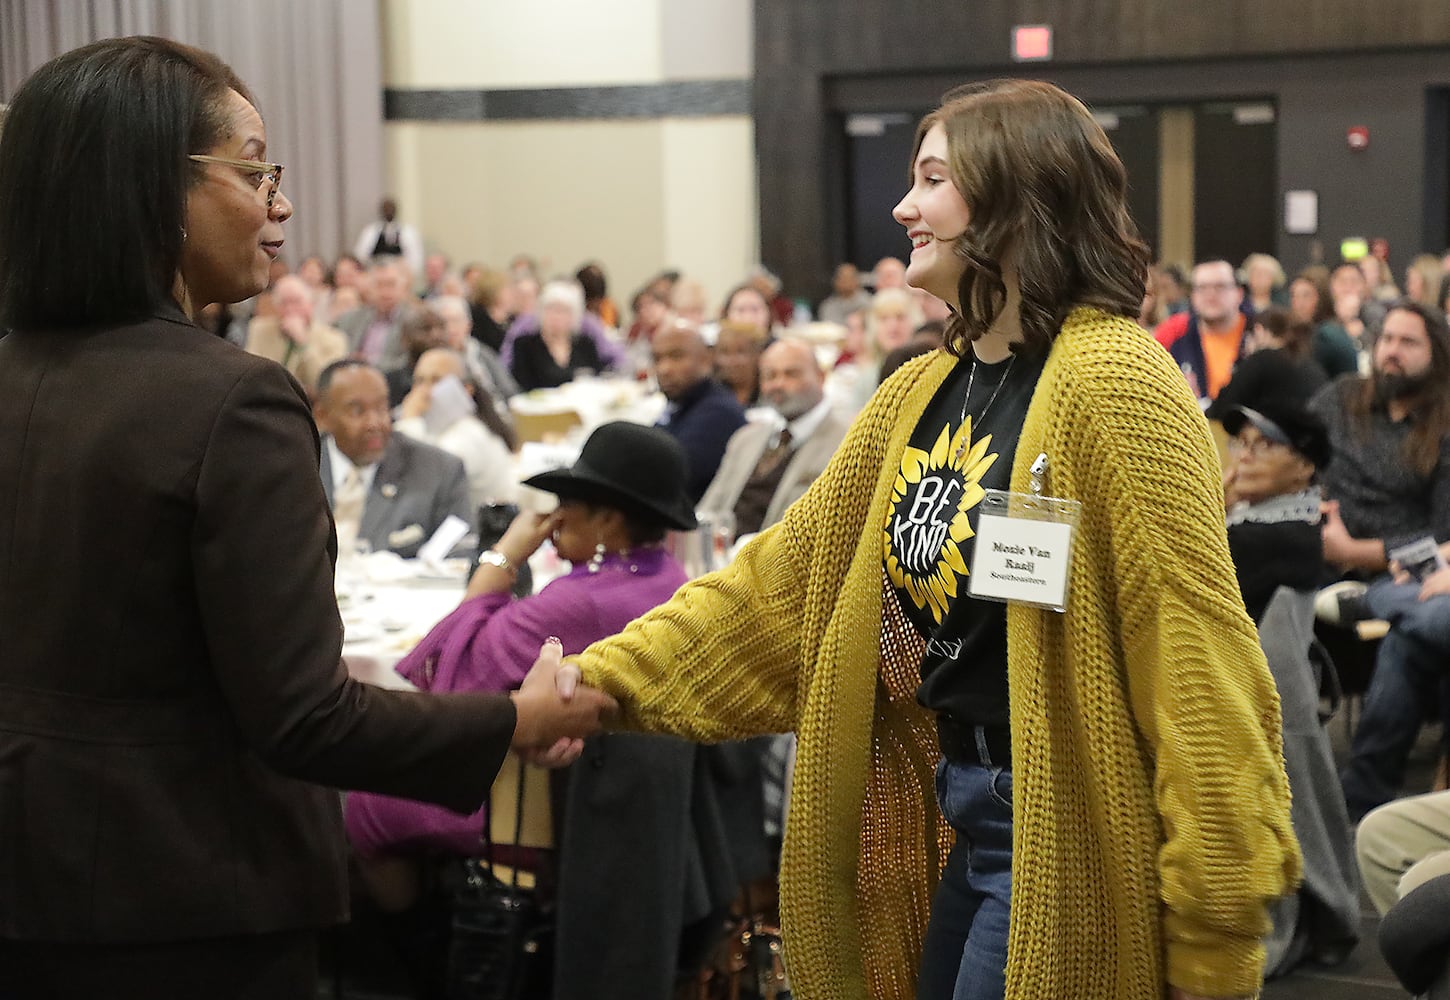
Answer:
(94, 176)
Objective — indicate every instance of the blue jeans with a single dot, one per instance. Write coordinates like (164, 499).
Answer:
(1409, 672)
(965, 953)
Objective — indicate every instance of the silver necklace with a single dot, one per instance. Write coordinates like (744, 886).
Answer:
(971, 378)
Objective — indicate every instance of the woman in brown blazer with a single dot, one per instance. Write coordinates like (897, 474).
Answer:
(172, 696)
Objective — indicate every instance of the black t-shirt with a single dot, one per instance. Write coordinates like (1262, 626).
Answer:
(948, 465)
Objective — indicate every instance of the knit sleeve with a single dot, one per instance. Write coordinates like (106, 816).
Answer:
(723, 658)
(1198, 685)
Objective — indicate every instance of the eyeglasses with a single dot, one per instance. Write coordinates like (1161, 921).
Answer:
(1213, 286)
(1256, 447)
(264, 172)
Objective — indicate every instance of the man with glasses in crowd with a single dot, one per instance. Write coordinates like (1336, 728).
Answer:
(1208, 340)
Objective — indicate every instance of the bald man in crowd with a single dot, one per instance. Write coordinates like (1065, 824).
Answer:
(293, 338)
(701, 413)
(441, 409)
(769, 464)
(385, 489)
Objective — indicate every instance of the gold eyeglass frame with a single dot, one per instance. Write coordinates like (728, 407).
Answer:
(271, 172)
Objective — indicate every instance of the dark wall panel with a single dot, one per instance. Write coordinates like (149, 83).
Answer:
(814, 59)
(1234, 193)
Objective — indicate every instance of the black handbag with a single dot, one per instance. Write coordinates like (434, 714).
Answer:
(502, 941)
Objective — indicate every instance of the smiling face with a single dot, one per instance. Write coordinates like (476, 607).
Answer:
(935, 215)
(231, 236)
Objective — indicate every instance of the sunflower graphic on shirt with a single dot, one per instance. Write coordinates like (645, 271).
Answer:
(927, 519)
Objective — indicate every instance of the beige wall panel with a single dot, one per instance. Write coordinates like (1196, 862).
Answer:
(1175, 186)
(485, 44)
(564, 192)
(709, 202)
(707, 39)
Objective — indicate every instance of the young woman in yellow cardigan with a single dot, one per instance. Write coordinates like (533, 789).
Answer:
(1111, 814)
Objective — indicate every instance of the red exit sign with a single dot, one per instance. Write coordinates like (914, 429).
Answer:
(1032, 43)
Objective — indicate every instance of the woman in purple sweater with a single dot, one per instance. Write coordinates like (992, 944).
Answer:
(615, 506)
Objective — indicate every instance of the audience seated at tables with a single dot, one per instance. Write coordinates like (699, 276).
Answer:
(1310, 302)
(748, 305)
(1422, 280)
(1353, 305)
(292, 338)
(490, 298)
(650, 831)
(1277, 364)
(596, 295)
(375, 331)
(482, 361)
(689, 302)
(889, 272)
(846, 296)
(1208, 340)
(1265, 285)
(737, 359)
(423, 330)
(1389, 485)
(386, 490)
(769, 464)
(448, 418)
(558, 349)
(890, 320)
(700, 413)
(608, 352)
(1277, 448)
(436, 274)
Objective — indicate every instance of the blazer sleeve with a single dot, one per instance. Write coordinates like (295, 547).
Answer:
(1198, 685)
(262, 560)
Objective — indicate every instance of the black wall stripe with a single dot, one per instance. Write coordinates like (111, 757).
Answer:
(680, 98)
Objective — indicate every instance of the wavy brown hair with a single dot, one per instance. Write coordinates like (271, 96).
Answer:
(1047, 197)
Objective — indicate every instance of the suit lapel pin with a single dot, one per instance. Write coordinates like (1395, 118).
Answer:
(389, 490)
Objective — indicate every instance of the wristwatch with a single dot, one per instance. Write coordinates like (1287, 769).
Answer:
(493, 557)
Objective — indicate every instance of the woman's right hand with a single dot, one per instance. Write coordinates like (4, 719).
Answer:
(550, 727)
(526, 532)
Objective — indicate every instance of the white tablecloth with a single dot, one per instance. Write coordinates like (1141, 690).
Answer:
(381, 622)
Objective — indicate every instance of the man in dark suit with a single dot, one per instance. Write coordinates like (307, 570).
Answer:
(385, 489)
(702, 413)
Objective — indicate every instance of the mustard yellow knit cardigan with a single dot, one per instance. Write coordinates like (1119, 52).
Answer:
(1151, 806)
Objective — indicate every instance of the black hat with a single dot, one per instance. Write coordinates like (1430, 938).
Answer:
(1287, 424)
(636, 468)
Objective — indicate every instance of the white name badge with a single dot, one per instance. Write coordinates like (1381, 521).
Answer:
(1023, 549)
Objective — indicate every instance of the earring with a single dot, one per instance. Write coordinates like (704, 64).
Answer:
(598, 559)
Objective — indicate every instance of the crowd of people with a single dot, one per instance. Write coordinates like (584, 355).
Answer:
(1112, 754)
